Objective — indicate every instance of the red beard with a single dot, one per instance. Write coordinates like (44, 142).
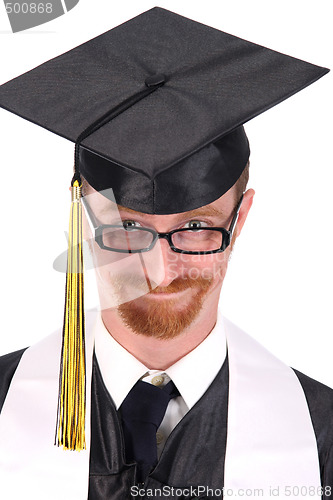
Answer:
(165, 319)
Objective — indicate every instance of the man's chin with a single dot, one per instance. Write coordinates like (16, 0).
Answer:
(160, 317)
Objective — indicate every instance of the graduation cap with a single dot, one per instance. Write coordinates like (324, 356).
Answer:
(156, 108)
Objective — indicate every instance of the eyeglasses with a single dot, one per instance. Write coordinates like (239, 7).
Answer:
(132, 239)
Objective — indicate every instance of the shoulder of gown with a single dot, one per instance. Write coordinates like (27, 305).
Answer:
(320, 402)
(8, 365)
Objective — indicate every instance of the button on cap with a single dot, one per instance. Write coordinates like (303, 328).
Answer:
(153, 80)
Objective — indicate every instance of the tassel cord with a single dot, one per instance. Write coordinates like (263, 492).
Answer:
(70, 431)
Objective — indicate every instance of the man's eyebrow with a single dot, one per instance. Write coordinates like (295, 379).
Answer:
(191, 214)
(207, 211)
(202, 211)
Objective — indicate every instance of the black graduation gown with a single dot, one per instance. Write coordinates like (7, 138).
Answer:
(194, 452)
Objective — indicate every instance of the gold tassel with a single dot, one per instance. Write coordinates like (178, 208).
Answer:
(70, 433)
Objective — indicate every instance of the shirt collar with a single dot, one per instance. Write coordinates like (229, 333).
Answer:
(192, 374)
(120, 369)
(195, 372)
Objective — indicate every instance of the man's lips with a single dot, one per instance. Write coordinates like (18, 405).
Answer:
(166, 295)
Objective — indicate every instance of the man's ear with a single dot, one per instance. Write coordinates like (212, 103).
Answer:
(244, 210)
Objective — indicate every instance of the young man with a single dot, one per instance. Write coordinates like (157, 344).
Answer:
(178, 400)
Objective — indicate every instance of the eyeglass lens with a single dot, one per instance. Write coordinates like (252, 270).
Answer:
(192, 240)
(197, 241)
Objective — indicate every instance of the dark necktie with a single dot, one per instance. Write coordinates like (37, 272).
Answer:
(142, 412)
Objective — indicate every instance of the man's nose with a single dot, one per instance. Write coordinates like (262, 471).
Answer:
(162, 264)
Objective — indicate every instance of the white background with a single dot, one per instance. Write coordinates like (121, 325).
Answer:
(279, 286)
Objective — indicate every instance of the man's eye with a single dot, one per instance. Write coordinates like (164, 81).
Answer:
(195, 224)
(129, 224)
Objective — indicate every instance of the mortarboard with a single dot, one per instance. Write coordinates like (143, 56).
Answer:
(167, 98)
(156, 108)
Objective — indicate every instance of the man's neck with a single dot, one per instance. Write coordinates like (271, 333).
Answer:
(157, 354)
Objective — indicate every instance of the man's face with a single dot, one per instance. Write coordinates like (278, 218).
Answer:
(160, 293)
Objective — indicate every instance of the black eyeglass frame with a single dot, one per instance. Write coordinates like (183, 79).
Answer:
(226, 234)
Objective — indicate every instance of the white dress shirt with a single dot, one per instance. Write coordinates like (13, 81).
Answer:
(192, 374)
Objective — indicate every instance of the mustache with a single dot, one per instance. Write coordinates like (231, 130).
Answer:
(180, 284)
(177, 285)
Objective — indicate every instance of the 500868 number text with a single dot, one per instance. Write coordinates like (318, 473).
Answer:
(28, 8)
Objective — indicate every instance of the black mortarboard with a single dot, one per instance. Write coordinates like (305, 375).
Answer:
(156, 107)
